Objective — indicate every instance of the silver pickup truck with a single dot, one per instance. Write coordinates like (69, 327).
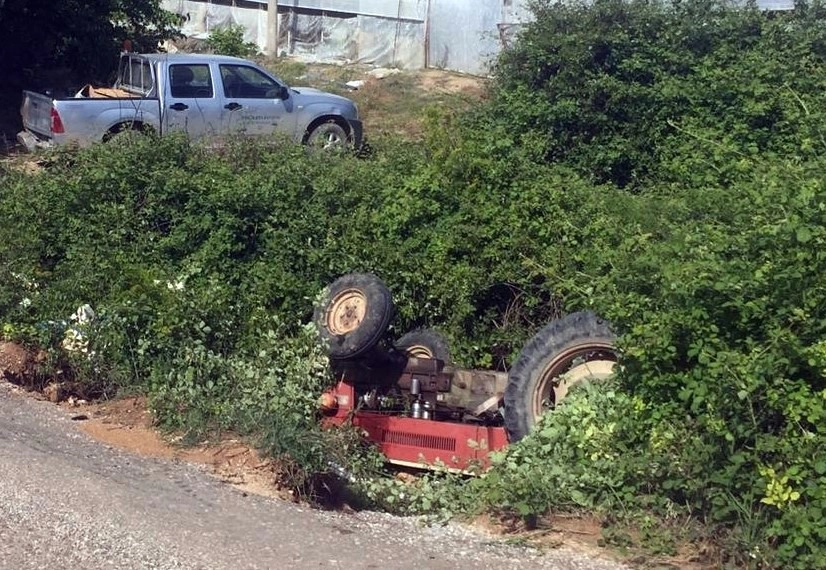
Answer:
(204, 96)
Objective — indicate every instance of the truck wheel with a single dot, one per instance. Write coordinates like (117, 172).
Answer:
(124, 137)
(424, 343)
(327, 135)
(353, 314)
(576, 348)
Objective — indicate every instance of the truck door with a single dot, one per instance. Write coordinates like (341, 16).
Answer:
(191, 105)
(254, 103)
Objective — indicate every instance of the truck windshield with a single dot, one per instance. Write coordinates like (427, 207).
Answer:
(136, 75)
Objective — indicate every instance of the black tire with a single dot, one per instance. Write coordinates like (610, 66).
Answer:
(580, 345)
(353, 315)
(424, 343)
(328, 135)
(125, 137)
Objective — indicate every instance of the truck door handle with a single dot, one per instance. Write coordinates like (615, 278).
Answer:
(179, 107)
(232, 106)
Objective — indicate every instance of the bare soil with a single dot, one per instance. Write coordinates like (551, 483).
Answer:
(17, 364)
(127, 424)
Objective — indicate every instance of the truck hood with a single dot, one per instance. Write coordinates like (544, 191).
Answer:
(309, 96)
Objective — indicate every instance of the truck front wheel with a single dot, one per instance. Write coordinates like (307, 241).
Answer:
(577, 348)
(327, 135)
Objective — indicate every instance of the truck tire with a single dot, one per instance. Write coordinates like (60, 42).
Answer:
(424, 343)
(353, 315)
(567, 351)
(127, 134)
(328, 135)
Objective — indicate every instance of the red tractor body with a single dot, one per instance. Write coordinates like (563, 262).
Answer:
(423, 412)
(419, 442)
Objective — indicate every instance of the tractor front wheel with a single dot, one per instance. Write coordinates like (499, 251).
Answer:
(424, 343)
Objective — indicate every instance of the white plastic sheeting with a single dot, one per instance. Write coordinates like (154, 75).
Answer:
(460, 35)
(357, 39)
(200, 18)
(464, 35)
(395, 9)
(319, 37)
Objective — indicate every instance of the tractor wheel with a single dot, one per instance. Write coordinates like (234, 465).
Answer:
(579, 347)
(353, 315)
(424, 343)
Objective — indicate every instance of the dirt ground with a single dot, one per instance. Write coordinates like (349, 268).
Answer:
(127, 424)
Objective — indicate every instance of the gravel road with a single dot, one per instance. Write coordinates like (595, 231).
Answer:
(67, 501)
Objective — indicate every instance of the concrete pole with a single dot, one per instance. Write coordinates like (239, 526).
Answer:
(272, 28)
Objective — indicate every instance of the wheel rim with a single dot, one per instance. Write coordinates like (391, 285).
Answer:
(328, 138)
(346, 312)
(419, 351)
(587, 362)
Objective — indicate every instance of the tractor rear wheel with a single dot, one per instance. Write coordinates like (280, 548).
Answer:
(577, 348)
(353, 315)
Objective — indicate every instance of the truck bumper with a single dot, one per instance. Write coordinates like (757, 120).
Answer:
(32, 142)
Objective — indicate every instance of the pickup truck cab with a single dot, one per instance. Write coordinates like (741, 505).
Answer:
(204, 96)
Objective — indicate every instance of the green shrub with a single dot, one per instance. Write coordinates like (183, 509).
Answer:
(631, 91)
(229, 40)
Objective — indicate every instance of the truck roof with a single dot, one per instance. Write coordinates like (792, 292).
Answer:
(195, 57)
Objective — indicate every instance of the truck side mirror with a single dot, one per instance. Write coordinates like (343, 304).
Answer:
(280, 92)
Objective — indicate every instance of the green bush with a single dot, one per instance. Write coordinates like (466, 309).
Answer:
(229, 40)
(634, 92)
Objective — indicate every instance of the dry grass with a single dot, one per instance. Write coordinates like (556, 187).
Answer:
(392, 106)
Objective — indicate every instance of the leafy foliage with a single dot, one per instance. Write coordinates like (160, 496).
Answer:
(229, 40)
(613, 86)
(91, 32)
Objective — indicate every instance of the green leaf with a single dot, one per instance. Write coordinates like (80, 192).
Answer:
(803, 234)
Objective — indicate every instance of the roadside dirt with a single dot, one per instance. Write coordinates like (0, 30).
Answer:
(397, 104)
(16, 363)
(127, 424)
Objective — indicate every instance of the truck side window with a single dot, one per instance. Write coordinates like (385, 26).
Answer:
(190, 81)
(244, 82)
(136, 74)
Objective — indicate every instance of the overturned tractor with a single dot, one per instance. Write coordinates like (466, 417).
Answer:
(417, 407)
